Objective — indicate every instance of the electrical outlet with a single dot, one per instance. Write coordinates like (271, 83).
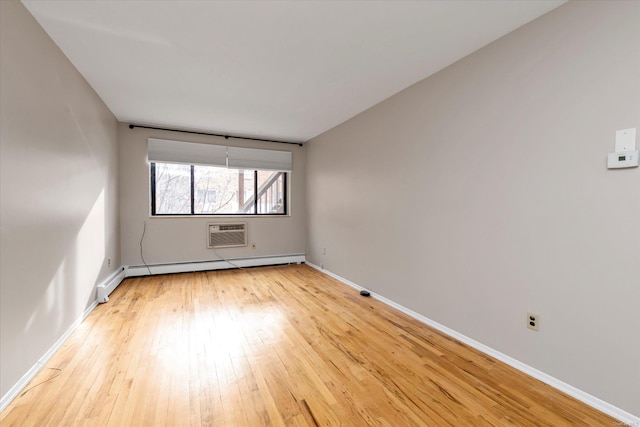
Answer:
(109, 262)
(533, 321)
(324, 251)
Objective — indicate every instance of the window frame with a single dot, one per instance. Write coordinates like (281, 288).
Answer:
(285, 202)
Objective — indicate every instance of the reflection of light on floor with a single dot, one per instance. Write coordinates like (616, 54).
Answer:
(237, 332)
(217, 340)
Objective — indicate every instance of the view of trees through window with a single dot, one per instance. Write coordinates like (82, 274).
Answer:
(178, 189)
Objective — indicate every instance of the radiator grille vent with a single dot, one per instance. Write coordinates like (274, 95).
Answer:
(227, 235)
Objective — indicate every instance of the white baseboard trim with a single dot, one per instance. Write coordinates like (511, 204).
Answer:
(189, 267)
(109, 284)
(31, 373)
(104, 289)
(609, 409)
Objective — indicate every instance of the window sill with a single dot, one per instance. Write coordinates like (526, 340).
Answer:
(218, 216)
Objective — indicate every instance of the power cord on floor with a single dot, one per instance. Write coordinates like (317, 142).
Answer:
(42, 382)
(226, 260)
(144, 231)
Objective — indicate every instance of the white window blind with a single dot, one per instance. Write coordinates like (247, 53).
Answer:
(253, 158)
(166, 151)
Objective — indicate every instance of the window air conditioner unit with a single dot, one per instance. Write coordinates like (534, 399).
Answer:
(227, 235)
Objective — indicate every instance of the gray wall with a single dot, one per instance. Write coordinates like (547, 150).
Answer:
(58, 193)
(175, 239)
(482, 193)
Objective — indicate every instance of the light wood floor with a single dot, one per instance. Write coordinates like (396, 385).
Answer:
(275, 346)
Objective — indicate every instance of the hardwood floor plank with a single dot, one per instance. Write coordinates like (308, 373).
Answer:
(275, 346)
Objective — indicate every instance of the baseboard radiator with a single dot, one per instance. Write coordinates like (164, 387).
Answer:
(188, 267)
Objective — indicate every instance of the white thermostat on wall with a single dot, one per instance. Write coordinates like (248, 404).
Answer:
(624, 159)
(626, 155)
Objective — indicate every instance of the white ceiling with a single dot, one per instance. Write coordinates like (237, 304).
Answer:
(286, 70)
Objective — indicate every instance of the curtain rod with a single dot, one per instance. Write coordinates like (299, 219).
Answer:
(132, 126)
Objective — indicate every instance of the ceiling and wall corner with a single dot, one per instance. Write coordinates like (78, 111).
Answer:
(276, 70)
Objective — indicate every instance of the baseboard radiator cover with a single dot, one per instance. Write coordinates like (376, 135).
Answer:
(104, 290)
(599, 404)
(189, 267)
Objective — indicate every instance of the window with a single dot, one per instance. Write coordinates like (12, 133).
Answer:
(190, 178)
(179, 189)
